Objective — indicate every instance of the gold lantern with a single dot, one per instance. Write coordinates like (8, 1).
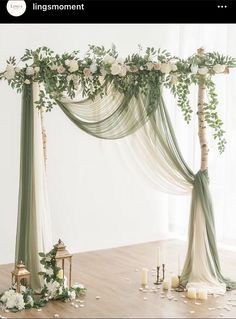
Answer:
(61, 256)
(19, 274)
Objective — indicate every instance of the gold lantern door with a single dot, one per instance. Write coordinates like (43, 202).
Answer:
(20, 274)
(62, 256)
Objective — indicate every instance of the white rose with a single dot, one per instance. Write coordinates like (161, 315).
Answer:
(203, 70)
(77, 285)
(37, 69)
(72, 295)
(157, 66)
(67, 62)
(219, 68)
(17, 70)
(115, 69)
(10, 72)
(60, 291)
(194, 68)
(173, 67)
(93, 67)
(27, 81)
(108, 59)
(165, 68)
(73, 66)
(149, 65)
(30, 301)
(29, 71)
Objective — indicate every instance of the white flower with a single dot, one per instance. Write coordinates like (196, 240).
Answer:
(77, 285)
(12, 299)
(174, 79)
(27, 81)
(49, 272)
(67, 62)
(60, 274)
(30, 301)
(52, 287)
(17, 69)
(37, 69)
(60, 69)
(115, 69)
(173, 67)
(93, 67)
(120, 60)
(53, 67)
(29, 71)
(149, 65)
(10, 73)
(194, 68)
(203, 70)
(73, 66)
(165, 68)
(60, 291)
(108, 59)
(72, 295)
(123, 71)
(19, 301)
(219, 68)
(22, 288)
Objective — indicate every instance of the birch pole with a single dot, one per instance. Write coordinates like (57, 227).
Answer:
(201, 119)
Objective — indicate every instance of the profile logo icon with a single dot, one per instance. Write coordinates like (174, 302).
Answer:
(16, 7)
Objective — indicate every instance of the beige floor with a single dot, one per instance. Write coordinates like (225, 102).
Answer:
(114, 275)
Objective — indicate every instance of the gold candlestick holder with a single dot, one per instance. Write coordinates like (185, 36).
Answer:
(158, 282)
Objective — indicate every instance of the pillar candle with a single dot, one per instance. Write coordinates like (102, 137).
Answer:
(165, 285)
(174, 282)
(191, 294)
(202, 293)
(144, 276)
(158, 257)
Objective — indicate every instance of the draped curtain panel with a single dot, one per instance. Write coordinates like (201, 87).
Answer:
(33, 223)
(113, 117)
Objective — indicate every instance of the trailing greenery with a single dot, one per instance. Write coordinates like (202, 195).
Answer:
(55, 288)
(62, 75)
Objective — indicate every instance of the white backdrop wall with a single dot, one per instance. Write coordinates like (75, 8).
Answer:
(97, 200)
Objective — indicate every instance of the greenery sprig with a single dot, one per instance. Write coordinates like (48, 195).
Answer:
(62, 75)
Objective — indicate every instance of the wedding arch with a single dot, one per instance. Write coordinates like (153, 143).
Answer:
(110, 98)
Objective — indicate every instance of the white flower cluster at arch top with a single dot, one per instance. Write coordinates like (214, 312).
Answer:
(142, 72)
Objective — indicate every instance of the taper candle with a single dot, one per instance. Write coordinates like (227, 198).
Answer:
(144, 277)
(158, 256)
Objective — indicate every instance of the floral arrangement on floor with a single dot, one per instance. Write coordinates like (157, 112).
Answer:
(150, 68)
(55, 288)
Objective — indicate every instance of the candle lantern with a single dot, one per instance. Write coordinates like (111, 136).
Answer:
(20, 276)
(61, 256)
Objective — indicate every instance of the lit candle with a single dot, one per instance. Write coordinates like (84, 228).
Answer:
(192, 293)
(165, 285)
(174, 282)
(144, 277)
(158, 256)
(202, 293)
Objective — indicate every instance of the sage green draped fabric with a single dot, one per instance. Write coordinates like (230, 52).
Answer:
(140, 112)
(26, 238)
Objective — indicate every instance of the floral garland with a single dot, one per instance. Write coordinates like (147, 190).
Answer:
(55, 288)
(63, 74)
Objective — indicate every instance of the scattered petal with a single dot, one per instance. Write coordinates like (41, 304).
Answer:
(81, 306)
(56, 315)
(144, 298)
(136, 270)
(175, 299)
(98, 297)
(191, 311)
(76, 306)
(221, 315)
(185, 301)
(140, 289)
(72, 304)
(162, 296)
(39, 309)
(183, 296)
(211, 309)
(198, 303)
